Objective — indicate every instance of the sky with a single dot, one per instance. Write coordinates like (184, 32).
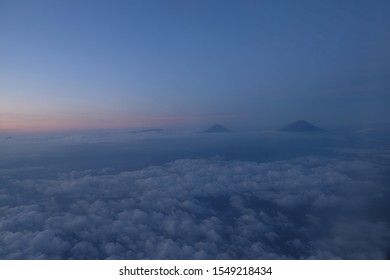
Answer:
(76, 65)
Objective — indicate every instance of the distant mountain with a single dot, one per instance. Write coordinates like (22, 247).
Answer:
(216, 128)
(147, 130)
(301, 126)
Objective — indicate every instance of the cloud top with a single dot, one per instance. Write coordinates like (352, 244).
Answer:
(307, 208)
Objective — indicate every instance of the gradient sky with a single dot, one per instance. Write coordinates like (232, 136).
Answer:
(139, 63)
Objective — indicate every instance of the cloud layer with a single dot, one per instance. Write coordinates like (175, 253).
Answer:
(307, 208)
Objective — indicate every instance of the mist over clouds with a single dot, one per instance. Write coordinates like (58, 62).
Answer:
(210, 206)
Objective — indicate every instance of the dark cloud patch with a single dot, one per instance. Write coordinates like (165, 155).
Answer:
(308, 208)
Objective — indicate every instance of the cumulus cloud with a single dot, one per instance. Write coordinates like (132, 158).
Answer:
(307, 208)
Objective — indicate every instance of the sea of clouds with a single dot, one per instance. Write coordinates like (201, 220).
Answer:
(310, 207)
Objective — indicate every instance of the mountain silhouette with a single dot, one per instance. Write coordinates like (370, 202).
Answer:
(147, 130)
(301, 126)
(216, 128)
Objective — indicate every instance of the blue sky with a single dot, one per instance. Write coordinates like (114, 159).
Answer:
(118, 64)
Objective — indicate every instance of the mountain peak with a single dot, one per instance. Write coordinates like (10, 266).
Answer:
(301, 126)
(216, 128)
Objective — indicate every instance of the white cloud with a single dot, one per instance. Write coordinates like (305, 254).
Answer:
(199, 209)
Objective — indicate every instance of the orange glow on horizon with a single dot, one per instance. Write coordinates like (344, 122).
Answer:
(48, 125)
(26, 124)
